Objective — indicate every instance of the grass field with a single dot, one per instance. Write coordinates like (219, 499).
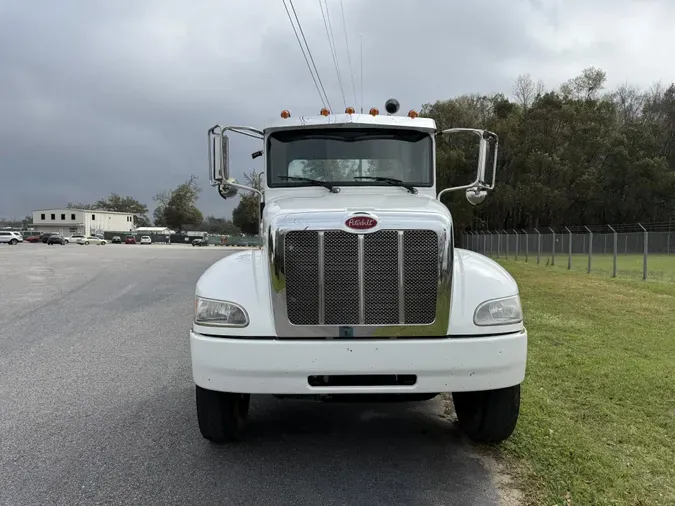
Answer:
(597, 423)
(659, 267)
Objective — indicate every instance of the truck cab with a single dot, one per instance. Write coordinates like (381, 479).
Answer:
(358, 290)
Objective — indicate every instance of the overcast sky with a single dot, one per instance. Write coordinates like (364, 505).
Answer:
(101, 96)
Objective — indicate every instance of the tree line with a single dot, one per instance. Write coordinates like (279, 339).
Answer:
(571, 156)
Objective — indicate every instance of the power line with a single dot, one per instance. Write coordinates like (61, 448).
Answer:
(361, 74)
(319, 84)
(349, 54)
(331, 43)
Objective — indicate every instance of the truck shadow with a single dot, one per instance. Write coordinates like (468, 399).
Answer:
(272, 419)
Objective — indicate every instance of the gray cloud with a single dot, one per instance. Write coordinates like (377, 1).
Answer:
(98, 96)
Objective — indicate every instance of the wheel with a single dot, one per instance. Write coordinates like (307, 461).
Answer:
(86, 242)
(66, 242)
(488, 416)
(13, 242)
(222, 415)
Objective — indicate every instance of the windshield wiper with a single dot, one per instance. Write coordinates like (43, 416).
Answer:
(390, 180)
(313, 182)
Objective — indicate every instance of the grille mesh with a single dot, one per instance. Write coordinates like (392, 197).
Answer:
(341, 279)
(302, 271)
(380, 281)
(381, 277)
(420, 275)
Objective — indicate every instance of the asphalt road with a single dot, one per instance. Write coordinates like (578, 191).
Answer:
(97, 402)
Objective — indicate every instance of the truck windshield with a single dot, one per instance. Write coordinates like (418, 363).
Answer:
(339, 155)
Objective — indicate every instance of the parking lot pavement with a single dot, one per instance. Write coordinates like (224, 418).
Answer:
(97, 402)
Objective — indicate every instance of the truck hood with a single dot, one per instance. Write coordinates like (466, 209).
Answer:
(352, 202)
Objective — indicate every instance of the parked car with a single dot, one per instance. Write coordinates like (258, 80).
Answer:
(91, 239)
(45, 235)
(130, 239)
(200, 242)
(57, 239)
(9, 237)
(74, 238)
(33, 238)
(145, 239)
(116, 240)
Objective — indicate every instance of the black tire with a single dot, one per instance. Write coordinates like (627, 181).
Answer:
(222, 416)
(13, 242)
(86, 242)
(488, 416)
(66, 242)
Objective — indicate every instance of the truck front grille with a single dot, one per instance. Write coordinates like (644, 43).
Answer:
(384, 278)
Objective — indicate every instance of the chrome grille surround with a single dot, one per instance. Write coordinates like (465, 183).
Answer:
(359, 280)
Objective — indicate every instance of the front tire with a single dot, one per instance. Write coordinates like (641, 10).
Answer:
(488, 416)
(13, 242)
(222, 416)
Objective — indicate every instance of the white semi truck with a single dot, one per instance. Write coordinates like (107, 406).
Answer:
(358, 291)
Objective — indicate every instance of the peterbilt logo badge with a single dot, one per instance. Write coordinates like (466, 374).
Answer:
(361, 223)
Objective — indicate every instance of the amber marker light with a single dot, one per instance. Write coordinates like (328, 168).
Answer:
(412, 113)
(350, 110)
(374, 111)
(285, 114)
(325, 112)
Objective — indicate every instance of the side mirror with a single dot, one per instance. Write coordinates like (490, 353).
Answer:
(475, 196)
(476, 191)
(226, 190)
(225, 154)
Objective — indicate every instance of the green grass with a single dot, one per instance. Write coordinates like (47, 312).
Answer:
(659, 267)
(597, 421)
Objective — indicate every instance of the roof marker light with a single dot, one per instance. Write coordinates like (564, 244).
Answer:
(374, 111)
(412, 113)
(325, 112)
(285, 114)
(350, 110)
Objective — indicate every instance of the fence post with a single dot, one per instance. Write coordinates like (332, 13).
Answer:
(569, 249)
(590, 247)
(527, 244)
(517, 237)
(646, 252)
(553, 248)
(499, 243)
(538, 245)
(507, 244)
(490, 242)
(616, 246)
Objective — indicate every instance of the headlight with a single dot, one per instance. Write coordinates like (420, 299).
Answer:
(219, 313)
(499, 312)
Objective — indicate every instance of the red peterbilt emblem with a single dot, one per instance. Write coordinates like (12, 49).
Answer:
(361, 223)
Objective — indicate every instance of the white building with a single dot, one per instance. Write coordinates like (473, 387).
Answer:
(154, 230)
(81, 221)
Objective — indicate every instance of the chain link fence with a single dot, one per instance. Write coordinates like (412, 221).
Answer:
(641, 251)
